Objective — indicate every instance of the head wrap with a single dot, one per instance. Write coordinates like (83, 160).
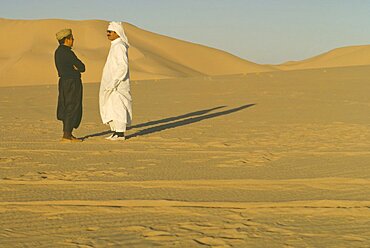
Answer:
(63, 33)
(117, 27)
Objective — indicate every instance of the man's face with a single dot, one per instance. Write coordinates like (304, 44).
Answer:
(69, 41)
(112, 35)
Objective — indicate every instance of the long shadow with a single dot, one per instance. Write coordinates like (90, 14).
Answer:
(200, 112)
(186, 121)
(96, 134)
(150, 123)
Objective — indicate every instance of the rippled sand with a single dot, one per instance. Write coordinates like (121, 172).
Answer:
(260, 160)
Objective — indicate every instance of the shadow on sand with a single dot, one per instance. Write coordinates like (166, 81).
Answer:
(200, 112)
(175, 121)
(96, 134)
(186, 121)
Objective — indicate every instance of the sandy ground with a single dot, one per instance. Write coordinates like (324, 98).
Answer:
(260, 160)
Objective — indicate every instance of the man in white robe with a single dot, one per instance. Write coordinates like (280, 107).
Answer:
(114, 96)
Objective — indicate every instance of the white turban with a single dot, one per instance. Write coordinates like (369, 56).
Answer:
(117, 27)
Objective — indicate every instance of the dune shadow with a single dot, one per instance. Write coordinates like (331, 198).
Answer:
(184, 122)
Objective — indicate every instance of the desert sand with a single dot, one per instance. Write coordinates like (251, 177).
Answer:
(230, 155)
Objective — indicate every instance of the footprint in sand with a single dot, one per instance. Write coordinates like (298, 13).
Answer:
(7, 160)
(134, 228)
(254, 159)
(214, 242)
(157, 235)
(149, 162)
(92, 229)
(217, 144)
(151, 233)
(68, 176)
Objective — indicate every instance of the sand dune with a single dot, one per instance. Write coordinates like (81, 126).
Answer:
(28, 58)
(340, 57)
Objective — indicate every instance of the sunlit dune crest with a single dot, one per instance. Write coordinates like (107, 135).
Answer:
(28, 58)
(340, 57)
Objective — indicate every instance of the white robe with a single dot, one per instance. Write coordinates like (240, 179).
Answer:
(114, 96)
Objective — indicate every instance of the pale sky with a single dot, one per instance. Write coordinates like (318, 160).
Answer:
(262, 31)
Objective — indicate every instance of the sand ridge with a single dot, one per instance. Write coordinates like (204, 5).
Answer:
(339, 57)
(28, 58)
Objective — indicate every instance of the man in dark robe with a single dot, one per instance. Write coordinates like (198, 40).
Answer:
(69, 67)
